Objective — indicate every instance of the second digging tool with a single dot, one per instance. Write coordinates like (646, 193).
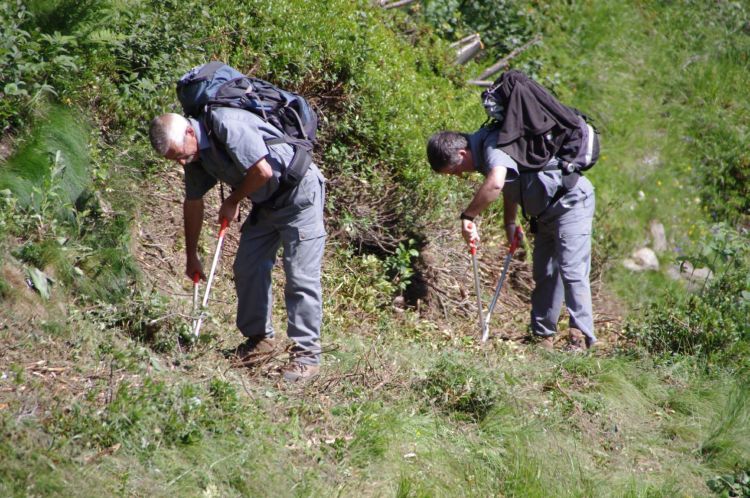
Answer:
(517, 235)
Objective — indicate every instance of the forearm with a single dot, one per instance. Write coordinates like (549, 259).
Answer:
(193, 219)
(257, 176)
(510, 211)
(488, 192)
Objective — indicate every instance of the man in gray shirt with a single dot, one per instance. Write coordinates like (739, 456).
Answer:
(562, 246)
(237, 150)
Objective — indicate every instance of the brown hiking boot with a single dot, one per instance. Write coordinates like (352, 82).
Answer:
(591, 343)
(546, 343)
(579, 342)
(254, 350)
(295, 371)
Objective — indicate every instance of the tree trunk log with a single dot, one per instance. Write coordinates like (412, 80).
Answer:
(399, 3)
(503, 63)
(464, 41)
(468, 51)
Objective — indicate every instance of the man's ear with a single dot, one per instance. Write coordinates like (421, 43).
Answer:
(467, 163)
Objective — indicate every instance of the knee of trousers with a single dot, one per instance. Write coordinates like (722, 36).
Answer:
(575, 273)
(245, 270)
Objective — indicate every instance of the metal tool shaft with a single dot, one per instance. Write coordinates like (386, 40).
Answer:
(506, 265)
(217, 254)
(478, 290)
(196, 279)
(493, 303)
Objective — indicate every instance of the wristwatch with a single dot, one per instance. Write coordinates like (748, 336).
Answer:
(465, 216)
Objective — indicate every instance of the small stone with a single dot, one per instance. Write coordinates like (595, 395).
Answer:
(658, 236)
(641, 260)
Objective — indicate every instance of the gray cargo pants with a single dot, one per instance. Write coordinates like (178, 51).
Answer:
(297, 224)
(562, 262)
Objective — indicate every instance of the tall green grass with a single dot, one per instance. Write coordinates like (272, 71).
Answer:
(54, 159)
(561, 426)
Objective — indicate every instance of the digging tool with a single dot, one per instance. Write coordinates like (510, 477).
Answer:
(477, 287)
(222, 231)
(511, 251)
(196, 280)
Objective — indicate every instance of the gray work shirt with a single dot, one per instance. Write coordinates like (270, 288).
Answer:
(538, 188)
(239, 141)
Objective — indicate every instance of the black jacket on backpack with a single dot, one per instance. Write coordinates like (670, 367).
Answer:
(537, 126)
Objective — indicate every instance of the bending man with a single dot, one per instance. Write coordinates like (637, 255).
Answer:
(530, 171)
(234, 151)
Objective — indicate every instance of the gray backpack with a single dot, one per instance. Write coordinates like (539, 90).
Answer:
(216, 84)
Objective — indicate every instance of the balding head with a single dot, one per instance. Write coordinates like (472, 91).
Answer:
(167, 132)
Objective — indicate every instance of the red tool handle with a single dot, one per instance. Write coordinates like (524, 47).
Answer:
(224, 225)
(196, 278)
(517, 235)
(472, 244)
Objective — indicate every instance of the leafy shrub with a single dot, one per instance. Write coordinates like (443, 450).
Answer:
(460, 389)
(503, 24)
(145, 317)
(726, 178)
(400, 264)
(29, 62)
(730, 485)
(62, 15)
(713, 322)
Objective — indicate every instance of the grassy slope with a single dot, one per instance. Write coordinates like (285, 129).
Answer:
(403, 408)
(663, 79)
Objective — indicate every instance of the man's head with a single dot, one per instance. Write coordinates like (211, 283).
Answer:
(448, 153)
(173, 137)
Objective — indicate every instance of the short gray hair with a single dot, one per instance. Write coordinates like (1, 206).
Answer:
(166, 131)
(443, 147)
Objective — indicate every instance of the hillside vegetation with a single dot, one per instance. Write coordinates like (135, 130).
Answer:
(103, 393)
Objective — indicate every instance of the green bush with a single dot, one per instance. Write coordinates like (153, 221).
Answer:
(712, 322)
(726, 177)
(503, 24)
(30, 63)
(730, 485)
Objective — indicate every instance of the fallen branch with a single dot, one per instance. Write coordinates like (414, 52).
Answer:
(465, 40)
(502, 63)
(399, 3)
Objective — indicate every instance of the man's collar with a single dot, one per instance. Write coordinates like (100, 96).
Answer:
(200, 134)
(474, 147)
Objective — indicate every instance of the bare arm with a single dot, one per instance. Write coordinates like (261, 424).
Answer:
(488, 192)
(257, 176)
(510, 211)
(193, 216)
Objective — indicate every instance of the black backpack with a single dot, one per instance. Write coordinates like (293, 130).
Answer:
(216, 84)
(576, 147)
(579, 147)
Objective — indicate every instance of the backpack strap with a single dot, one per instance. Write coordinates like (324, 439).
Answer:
(533, 220)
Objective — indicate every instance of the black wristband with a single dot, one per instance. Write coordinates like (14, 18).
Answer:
(465, 216)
